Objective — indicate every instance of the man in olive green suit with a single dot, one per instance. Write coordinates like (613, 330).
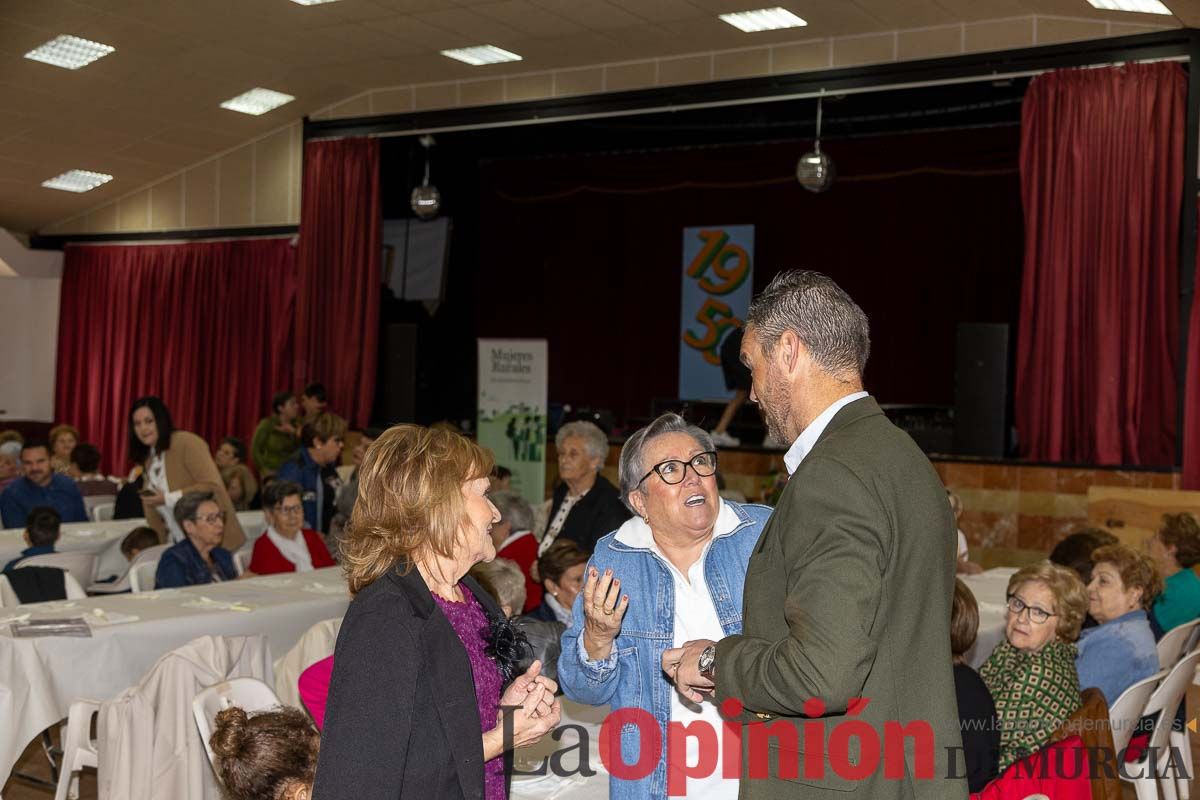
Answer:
(848, 591)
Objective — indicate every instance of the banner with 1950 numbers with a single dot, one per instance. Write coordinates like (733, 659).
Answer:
(718, 272)
(512, 410)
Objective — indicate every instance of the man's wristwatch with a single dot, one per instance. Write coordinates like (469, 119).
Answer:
(708, 662)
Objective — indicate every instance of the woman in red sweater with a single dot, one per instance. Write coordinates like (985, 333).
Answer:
(286, 545)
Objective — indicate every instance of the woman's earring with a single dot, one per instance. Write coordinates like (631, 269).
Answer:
(646, 519)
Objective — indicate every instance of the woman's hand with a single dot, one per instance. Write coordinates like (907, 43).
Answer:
(603, 610)
(534, 712)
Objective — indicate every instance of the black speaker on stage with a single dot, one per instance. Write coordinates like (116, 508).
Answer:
(981, 389)
(396, 395)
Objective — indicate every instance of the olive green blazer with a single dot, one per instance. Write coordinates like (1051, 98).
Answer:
(848, 596)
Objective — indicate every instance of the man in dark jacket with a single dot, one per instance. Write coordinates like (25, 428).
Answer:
(846, 612)
(315, 469)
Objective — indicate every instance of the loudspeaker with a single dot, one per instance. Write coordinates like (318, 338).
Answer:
(981, 389)
(396, 395)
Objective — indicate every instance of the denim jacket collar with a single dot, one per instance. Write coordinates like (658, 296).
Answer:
(636, 535)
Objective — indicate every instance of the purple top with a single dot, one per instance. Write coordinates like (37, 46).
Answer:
(470, 622)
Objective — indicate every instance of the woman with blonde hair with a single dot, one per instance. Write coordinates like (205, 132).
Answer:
(424, 653)
(63, 439)
(1031, 674)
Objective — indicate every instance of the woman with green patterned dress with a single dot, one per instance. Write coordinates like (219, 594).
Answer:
(1031, 674)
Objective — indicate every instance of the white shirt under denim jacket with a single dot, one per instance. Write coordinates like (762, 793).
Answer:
(632, 675)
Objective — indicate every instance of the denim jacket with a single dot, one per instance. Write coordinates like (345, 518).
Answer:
(1114, 656)
(632, 676)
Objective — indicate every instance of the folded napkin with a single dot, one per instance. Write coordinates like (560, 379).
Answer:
(325, 588)
(217, 605)
(14, 618)
(100, 617)
(84, 532)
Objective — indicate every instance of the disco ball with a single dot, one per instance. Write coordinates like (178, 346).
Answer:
(815, 171)
(426, 201)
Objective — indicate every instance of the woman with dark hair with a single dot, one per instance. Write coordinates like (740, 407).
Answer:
(417, 702)
(230, 459)
(561, 571)
(174, 462)
(976, 709)
(1176, 553)
(268, 755)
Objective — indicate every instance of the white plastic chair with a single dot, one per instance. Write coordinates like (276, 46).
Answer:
(1149, 778)
(241, 560)
(78, 748)
(125, 584)
(1124, 714)
(81, 566)
(8, 597)
(1174, 644)
(249, 694)
(103, 512)
(141, 575)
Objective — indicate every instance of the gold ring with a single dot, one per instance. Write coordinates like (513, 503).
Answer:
(608, 612)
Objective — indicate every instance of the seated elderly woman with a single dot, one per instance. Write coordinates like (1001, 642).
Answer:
(286, 545)
(63, 439)
(239, 481)
(585, 505)
(1175, 549)
(674, 573)
(198, 558)
(267, 754)
(1031, 674)
(10, 463)
(1120, 651)
(417, 701)
(561, 569)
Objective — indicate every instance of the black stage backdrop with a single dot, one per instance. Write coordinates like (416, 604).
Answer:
(923, 230)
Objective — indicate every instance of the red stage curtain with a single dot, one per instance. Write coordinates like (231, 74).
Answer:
(1102, 183)
(337, 307)
(206, 326)
(1191, 406)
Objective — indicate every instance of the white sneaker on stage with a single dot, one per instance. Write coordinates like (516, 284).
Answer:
(724, 439)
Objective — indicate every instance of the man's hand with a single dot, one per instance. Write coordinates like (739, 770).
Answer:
(682, 665)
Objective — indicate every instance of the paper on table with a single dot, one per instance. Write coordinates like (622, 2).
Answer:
(85, 532)
(100, 617)
(14, 618)
(325, 588)
(217, 605)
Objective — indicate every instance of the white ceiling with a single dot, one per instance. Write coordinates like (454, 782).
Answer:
(151, 107)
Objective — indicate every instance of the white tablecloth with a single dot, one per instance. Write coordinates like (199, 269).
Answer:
(40, 677)
(989, 589)
(104, 539)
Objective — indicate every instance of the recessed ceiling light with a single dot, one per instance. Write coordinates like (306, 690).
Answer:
(1138, 6)
(764, 19)
(257, 101)
(69, 52)
(312, 2)
(481, 55)
(77, 180)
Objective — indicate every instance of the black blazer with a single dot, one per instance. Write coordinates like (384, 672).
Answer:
(401, 719)
(980, 728)
(599, 513)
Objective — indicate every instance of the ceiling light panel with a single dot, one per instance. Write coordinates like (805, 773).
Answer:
(69, 52)
(312, 2)
(482, 55)
(763, 19)
(77, 180)
(257, 101)
(1137, 6)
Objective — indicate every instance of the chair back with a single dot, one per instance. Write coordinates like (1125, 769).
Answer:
(103, 512)
(316, 643)
(74, 590)
(1175, 643)
(1166, 699)
(125, 582)
(249, 694)
(8, 597)
(80, 565)
(141, 575)
(241, 559)
(1124, 714)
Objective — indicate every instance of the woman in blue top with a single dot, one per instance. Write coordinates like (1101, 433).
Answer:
(1176, 551)
(672, 574)
(1120, 651)
(199, 557)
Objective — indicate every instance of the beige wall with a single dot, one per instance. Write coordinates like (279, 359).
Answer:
(28, 349)
(259, 182)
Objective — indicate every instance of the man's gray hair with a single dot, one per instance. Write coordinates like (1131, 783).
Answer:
(513, 508)
(594, 440)
(633, 455)
(505, 579)
(831, 325)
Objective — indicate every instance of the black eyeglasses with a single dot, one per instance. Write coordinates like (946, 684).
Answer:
(674, 470)
(1036, 615)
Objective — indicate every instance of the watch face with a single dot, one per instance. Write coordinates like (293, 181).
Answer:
(707, 657)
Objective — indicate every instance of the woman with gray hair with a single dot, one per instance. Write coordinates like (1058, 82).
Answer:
(514, 540)
(10, 463)
(585, 506)
(675, 572)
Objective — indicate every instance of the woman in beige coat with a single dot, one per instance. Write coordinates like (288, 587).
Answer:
(175, 462)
